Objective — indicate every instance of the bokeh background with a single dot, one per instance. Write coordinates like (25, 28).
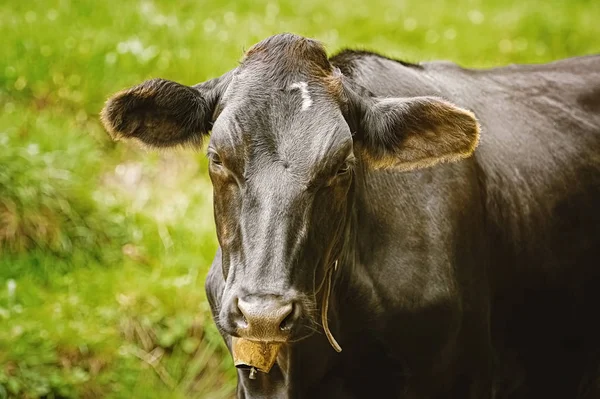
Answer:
(104, 247)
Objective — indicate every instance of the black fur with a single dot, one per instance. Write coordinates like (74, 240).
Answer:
(346, 59)
(159, 113)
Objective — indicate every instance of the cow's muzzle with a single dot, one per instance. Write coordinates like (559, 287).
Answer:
(264, 317)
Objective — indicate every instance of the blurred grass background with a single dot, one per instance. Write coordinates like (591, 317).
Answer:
(104, 248)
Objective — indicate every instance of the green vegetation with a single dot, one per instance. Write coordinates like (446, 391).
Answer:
(104, 248)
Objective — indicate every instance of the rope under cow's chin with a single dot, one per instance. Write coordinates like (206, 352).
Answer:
(325, 308)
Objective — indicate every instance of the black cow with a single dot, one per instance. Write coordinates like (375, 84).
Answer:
(336, 194)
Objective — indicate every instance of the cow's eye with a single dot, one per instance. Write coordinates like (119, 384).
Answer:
(345, 168)
(214, 158)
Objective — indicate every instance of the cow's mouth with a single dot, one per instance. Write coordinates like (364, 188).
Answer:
(254, 355)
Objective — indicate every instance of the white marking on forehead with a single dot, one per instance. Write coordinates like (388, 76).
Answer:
(306, 100)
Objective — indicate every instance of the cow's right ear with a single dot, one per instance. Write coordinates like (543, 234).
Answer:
(162, 113)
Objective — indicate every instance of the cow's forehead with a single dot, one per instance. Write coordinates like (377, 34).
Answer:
(299, 122)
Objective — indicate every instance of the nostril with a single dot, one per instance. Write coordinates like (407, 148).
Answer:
(288, 320)
(238, 314)
(242, 322)
(286, 324)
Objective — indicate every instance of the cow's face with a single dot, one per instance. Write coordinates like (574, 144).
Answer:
(288, 131)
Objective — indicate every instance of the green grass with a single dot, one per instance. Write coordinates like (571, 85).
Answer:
(104, 248)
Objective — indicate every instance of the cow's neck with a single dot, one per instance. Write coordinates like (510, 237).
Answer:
(314, 362)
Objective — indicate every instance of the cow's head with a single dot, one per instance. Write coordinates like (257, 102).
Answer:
(288, 132)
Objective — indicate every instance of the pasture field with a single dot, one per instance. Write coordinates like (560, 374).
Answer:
(104, 247)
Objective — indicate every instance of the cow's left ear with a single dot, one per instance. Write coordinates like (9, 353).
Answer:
(412, 133)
